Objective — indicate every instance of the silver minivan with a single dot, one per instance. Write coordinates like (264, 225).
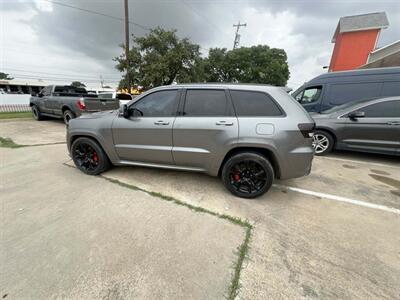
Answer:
(247, 134)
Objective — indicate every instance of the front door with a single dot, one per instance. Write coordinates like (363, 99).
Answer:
(205, 127)
(146, 136)
(377, 131)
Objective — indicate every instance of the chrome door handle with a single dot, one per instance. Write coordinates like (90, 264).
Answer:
(224, 123)
(161, 123)
(393, 123)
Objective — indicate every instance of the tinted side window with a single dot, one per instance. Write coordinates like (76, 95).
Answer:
(158, 104)
(388, 109)
(342, 93)
(248, 103)
(206, 103)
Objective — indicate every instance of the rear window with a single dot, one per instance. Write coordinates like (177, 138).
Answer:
(67, 89)
(124, 96)
(248, 104)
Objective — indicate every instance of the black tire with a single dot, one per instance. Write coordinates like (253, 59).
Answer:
(37, 115)
(323, 142)
(241, 174)
(93, 161)
(67, 116)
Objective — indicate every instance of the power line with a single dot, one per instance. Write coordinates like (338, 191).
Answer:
(94, 76)
(98, 13)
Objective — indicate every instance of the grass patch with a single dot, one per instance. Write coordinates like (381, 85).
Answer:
(9, 143)
(15, 115)
(242, 250)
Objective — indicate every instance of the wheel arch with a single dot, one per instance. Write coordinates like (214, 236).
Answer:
(267, 153)
(65, 108)
(93, 137)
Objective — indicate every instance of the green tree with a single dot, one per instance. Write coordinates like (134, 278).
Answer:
(5, 76)
(77, 84)
(256, 64)
(160, 58)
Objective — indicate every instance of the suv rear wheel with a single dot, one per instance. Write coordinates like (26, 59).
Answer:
(37, 115)
(89, 157)
(68, 115)
(247, 174)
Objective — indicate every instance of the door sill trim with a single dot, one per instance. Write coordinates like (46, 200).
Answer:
(163, 166)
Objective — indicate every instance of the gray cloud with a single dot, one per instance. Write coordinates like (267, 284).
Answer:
(208, 23)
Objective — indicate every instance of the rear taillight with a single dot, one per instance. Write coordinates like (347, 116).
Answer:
(307, 129)
(81, 104)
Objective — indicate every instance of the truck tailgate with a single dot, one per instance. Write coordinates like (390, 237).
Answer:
(96, 104)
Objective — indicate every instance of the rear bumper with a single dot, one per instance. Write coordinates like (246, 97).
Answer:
(297, 163)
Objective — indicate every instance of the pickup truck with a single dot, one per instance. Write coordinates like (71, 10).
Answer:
(67, 102)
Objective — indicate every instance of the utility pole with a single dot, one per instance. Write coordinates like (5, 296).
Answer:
(237, 35)
(127, 44)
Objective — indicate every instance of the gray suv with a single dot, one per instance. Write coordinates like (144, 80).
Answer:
(247, 134)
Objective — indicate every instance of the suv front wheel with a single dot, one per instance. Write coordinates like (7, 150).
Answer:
(247, 174)
(89, 157)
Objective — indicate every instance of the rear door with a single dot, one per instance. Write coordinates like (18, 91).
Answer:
(146, 136)
(204, 128)
(378, 131)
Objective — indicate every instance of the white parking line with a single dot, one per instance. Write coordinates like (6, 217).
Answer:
(359, 162)
(340, 199)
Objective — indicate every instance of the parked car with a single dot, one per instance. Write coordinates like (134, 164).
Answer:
(336, 88)
(368, 126)
(247, 134)
(67, 102)
(123, 98)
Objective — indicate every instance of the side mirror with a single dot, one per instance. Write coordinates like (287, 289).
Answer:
(125, 111)
(356, 114)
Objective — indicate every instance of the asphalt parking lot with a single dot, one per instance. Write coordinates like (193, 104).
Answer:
(333, 234)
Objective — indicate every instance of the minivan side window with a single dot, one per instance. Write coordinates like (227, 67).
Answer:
(249, 103)
(158, 104)
(204, 102)
(309, 95)
(387, 109)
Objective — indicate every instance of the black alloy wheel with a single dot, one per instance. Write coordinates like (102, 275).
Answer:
(248, 175)
(89, 157)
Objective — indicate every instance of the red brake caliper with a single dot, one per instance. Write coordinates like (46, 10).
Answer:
(236, 177)
(95, 157)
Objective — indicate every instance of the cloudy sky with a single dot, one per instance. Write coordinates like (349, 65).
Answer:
(60, 40)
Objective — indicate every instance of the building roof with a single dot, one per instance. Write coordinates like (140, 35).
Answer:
(370, 21)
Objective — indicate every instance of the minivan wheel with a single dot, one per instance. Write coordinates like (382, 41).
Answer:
(89, 157)
(68, 115)
(322, 142)
(247, 174)
(37, 115)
